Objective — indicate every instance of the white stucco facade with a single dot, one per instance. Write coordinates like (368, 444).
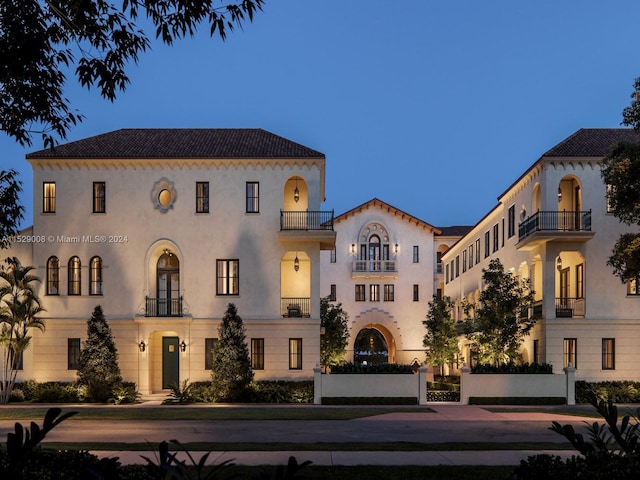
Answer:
(552, 226)
(384, 273)
(172, 258)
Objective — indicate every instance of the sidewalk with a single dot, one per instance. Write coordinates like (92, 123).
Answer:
(333, 458)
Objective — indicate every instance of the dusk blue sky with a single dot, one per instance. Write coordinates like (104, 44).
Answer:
(433, 107)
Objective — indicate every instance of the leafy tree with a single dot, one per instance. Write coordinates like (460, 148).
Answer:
(231, 363)
(441, 339)
(41, 39)
(10, 209)
(333, 342)
(497, 327)
(98, 366)
(621, 172)
(19, 309)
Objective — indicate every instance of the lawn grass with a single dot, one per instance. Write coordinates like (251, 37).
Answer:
(119, 412)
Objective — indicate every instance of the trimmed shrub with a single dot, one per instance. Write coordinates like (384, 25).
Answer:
(281, 391)
(618, 392)
(374, 368)
(510, 368)
(16, 395)
(56, 392)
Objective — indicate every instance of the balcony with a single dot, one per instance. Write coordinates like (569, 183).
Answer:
(308, 226)
(305, 220)
(566, 307)
(545, 226)
(374, 269)
(295, 307)
(163, 307)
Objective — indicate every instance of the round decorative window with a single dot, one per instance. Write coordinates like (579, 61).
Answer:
(163, 195)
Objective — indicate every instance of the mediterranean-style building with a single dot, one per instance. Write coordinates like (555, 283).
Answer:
(384, 270)
(553, 227)
(164, 228)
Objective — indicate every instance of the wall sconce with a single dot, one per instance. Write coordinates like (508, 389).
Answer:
(183, 346)
(395, 249)
(166, 251)
(559, 263)
(296, 192)
(353, 248)
(559, 194)
(296, 263)
(142, 346)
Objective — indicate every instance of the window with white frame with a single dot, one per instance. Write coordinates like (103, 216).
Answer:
(99, 197)
(53, 276)
(360, 293)
(257, 353)
(253, 197)
(295, 354)
(74, 279)
(95, 276)
(49, 197)
(388, 292)
(374, 293)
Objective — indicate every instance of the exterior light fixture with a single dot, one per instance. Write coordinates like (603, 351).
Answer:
(166, 251)
(142, 346)
(183, 346)
(559, 263)
(353, 248)
(296, 263)
(396, 248)
(296, 192)
(559, 194)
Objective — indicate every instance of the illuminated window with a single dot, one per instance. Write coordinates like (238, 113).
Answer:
(49, 197)
(99, 197)
(74, 276)
(295, 354)
(202, 197)
(228, 277)
(608, 354)
(53, 276)
(95, 281)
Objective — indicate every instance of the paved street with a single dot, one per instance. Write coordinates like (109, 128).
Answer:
(449, 423)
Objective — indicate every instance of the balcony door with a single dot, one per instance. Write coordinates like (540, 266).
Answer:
(168, 282)
(564, 287)
(374, 253)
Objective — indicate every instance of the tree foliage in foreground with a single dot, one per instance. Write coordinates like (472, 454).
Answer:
(231, 365)
(334, 340)
(41, 39)
(500, 322)
(441, 339)
(10, 209)
(19, 310)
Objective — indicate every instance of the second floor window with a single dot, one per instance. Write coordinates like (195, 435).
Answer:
(202, 197)
(95, 281)
(99, 197)
(74, 276)
(332, 294)
(374, 293)
(487, 247)
(495, 237)
(253, 197)
(228, 277)
(49, 197)
(359, 293)
(416, 293)
(512, 221)
(633, 287)
(53, 276)
(388, 292)
(416, 254)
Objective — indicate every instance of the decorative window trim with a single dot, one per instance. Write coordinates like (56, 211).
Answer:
(163, 195)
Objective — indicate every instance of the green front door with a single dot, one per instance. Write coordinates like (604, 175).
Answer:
(170, 361)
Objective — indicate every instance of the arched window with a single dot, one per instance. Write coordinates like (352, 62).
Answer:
(95, 281)
(74, 276)
(53, 276)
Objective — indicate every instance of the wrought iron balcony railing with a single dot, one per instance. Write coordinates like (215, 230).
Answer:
(163, 307)
(295, 307)
(553, 221)
(380, 266)
(567, 307)
(306, 220)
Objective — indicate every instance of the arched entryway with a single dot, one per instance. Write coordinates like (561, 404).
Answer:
(370, 347)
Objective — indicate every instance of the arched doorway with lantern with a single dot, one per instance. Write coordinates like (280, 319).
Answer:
(370, 347)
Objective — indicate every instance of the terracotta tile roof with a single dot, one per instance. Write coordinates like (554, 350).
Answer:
(181, 143)
(592, 142)
(455, 230)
